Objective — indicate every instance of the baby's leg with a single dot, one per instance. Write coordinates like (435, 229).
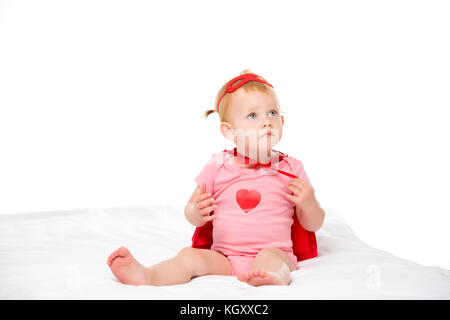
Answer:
(271, 266)
(187, 264)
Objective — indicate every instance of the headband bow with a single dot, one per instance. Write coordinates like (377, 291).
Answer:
(232, 86)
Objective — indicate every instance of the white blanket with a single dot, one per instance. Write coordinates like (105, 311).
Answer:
(63, 254)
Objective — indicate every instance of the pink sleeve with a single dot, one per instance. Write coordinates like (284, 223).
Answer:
(299, 171)
(208, 174)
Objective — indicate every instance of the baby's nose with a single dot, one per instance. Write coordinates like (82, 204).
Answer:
(267, 125)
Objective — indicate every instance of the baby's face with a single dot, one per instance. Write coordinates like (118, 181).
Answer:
(255, 120)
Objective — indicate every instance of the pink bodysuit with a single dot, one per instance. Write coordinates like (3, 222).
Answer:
(252, 213)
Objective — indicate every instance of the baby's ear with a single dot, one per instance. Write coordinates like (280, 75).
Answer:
(282, 120)
(227, 131)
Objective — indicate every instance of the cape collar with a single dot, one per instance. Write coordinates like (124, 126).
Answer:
(252, 165)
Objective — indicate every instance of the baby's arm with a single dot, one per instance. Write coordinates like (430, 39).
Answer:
(311, 217)
(309, 212)
(199, 206)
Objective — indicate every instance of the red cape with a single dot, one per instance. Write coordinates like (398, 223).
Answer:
(304, 242)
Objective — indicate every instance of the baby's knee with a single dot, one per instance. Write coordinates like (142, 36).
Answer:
(186, 258)
(185, 254)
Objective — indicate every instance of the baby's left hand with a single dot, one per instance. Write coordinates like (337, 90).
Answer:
(303, 196)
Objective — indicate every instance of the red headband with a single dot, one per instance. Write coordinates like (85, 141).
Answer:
(246, 78)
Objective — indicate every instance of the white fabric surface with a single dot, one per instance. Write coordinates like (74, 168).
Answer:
(62, 255)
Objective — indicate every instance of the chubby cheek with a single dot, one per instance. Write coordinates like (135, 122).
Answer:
(274, 137)
(249, 135)
(280, 133)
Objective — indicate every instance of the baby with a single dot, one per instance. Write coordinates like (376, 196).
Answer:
(243, 194)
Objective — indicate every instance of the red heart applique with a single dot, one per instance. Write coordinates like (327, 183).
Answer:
(247, 200)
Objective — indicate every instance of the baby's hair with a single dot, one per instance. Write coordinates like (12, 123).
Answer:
(251, 85)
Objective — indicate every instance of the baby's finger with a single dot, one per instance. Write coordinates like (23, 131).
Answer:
(294, 189)
(207, 210)
(205, 203)
(209, 218)
(203, 187)
(303, 184)
(202, 197)
(296, 184)
(290, 197)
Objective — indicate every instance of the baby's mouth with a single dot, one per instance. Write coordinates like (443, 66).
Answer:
(268, 133)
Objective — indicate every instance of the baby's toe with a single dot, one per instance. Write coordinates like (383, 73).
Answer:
(123, 252)
(242, 276)
(111, 257)
(254, 273)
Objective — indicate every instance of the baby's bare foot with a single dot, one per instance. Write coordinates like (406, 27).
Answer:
(126, 268)
(259, 277)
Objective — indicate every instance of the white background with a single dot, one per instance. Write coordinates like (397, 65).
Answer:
(101, 105)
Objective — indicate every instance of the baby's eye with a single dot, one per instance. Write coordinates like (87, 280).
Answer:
(252, 114)
(274, 112)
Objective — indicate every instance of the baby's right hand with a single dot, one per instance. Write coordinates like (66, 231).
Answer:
(204, 205)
